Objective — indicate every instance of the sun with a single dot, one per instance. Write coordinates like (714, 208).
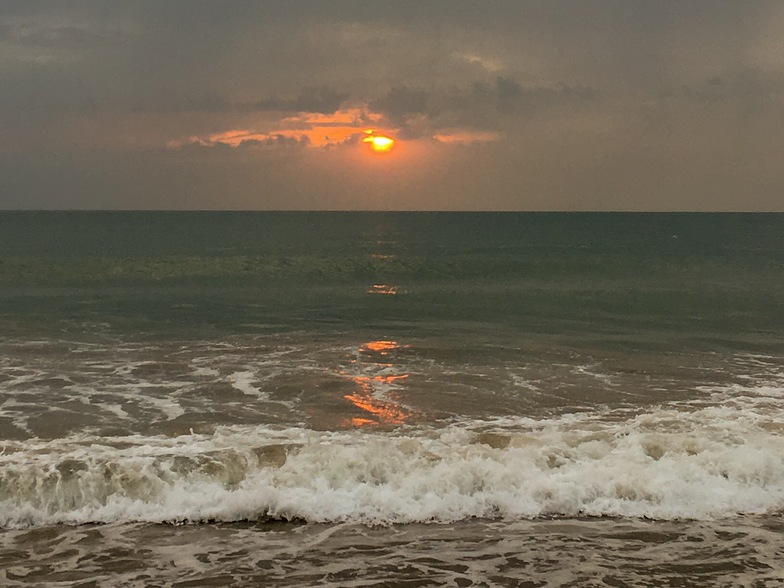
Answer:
(379, 143)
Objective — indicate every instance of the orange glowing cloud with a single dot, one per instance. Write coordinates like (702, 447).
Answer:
(353, 117)
(316, 136)
(312, 129)
(325, 131)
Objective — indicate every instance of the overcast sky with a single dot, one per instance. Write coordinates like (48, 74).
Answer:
(494, 105)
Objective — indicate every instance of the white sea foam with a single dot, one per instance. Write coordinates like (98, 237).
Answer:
(703, 463)
(243, 381)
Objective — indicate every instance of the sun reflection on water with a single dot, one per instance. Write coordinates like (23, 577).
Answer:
(384, 290)
(375, 394)
(381, 347)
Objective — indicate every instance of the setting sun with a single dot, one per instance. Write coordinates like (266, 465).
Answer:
(379, 143)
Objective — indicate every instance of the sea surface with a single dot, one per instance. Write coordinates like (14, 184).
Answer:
(391, 399)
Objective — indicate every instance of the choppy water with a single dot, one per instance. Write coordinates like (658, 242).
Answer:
(391, 399)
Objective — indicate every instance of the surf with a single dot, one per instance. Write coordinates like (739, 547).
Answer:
(668, 463)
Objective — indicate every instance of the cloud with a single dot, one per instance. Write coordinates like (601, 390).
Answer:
(402, 101)
(466, 137)
(321, 99)
(248, 139)
(488, 64)
(304, 129)
(474, 113)
(479, 108)
(311, 99)
(601, 98)
(749, 91)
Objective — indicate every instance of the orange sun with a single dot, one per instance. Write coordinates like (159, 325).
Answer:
(379, 143)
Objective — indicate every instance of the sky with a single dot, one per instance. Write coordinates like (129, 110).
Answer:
(493, 105)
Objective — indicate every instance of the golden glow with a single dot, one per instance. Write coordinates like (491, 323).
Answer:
(384, 290)
(379, 143)
(309, 129)
(376, 394)
(381, 347)
(315, 136)
(383, 412)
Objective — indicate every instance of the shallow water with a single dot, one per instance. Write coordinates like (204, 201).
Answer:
(742, 551)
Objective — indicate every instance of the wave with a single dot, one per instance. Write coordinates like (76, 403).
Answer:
(701, 463)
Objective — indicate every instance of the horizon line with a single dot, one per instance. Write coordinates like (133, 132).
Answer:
(375, 211)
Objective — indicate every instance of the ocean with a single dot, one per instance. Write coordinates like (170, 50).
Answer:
(391, 399)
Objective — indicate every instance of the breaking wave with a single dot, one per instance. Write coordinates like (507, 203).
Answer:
(697, 463)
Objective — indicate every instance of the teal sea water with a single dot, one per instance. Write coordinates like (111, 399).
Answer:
(418, 399)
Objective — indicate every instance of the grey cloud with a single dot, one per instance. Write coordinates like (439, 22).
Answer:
(274, 142)
(508, 95)
(746, 85)
(319, 99)
(311, 99)
(58, 36)
(480, 105)
(401, 101)
(278, 141)
(171, 55)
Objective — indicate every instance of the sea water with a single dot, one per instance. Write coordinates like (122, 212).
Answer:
(391, 399)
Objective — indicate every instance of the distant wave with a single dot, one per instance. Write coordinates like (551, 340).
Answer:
(692, 463)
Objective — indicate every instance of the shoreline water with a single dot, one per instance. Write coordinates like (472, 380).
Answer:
(496, 375)
(557, 552)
